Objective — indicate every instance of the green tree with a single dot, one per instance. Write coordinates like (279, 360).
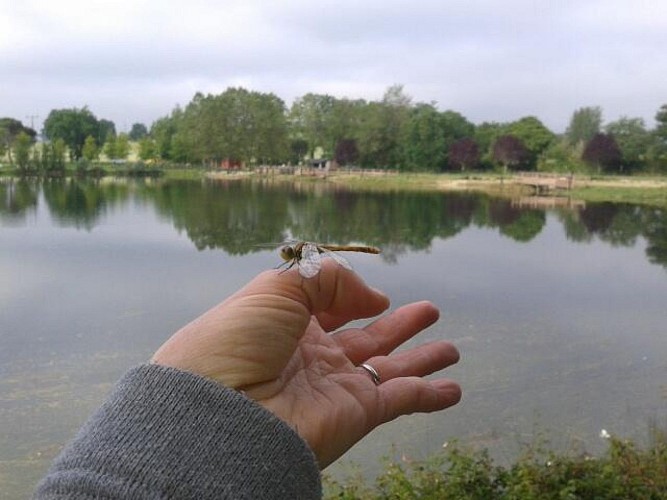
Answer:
(122, 146)
(560, 156)
(270, 144)
(90, 150)
(22, 146)
(9, 131)
(72, 126)
(381, 138)
(454, 127)
(147, 148)
(424, 139)
(298, 150)
(485, 136)
(110, 147)
(661, 124)
(633, 140)
(657, 152)
(534, 135)
(106, 128)
(345, 119)
(310, 119)
(236, 125)
(117, 147)
(163, 131)
(138, 132)
(58, 154)
(584, 124)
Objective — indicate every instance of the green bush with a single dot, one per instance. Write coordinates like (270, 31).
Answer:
(624, 471)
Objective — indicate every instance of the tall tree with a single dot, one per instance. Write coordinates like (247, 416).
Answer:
(346, 119)
(534, 135)
(268, 129)
(346, 152)
(584, 124)
(122, 146)
(163, 131)
(117, 148)
(147, 148)
(310, 119)
(138, 132)
(382, 136)
(658, 151)
(424, 145)
(510, 152)
(454, 127)
(603, 153)
(237, 125)
(560, 156)
(72, 126)
(485, 136)
(106, 129)
(661, 123)
(633, 140)
(464, 154)
(10, 129)
(298, 150)
(22, 145)
(90, 150)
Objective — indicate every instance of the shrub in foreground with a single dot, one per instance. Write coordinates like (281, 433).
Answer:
(624, 471)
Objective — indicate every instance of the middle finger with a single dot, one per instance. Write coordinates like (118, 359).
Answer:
(387, 333)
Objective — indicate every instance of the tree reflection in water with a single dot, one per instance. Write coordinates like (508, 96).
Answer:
(240, 216)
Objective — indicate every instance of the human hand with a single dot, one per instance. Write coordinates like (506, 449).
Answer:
(271, 340)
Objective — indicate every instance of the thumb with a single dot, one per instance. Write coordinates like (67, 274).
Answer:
(335, 295)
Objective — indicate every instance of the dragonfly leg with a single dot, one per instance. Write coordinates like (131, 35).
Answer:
(289, 265)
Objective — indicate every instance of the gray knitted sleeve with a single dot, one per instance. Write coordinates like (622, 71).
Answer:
(164, 433)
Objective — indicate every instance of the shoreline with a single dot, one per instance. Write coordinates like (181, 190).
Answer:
(650, 190)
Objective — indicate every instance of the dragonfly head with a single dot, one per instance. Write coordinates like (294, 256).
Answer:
(287, 253)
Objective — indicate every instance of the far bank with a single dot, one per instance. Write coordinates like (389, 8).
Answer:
(650, 190)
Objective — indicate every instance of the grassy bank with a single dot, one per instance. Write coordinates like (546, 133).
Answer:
(638, 190)
(624, 471)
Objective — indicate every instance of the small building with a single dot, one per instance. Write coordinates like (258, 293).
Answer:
(230, 165)
(322, 164)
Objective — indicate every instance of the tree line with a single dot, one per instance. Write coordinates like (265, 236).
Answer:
(243, 127)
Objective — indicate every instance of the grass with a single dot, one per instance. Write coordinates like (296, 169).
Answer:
(624, 471)
(637, 190)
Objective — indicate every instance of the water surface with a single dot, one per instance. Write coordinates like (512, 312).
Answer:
(559, 314)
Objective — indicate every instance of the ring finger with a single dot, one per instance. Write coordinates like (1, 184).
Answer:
(416, 362)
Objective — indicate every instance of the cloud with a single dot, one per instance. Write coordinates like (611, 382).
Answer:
(490, 61)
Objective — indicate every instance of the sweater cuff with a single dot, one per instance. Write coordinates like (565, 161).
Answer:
(166, 433)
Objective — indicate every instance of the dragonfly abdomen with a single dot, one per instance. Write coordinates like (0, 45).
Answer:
(348, 248)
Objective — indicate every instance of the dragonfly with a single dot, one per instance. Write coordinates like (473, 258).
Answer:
(307, 256)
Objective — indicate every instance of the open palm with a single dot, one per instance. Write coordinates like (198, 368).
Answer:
(272, 341)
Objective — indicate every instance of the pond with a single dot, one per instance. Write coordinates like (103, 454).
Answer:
(559, 313)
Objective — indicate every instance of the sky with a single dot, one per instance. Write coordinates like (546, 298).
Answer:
(490, 60)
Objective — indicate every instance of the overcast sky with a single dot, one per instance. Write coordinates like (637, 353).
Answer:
(490, 60)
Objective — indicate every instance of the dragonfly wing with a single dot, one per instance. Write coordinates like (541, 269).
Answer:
(338, 258)
(310, 261)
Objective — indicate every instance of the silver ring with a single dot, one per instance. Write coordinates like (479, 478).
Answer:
(373, 373)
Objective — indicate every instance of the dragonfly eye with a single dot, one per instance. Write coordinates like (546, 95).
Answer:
(287, 252)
